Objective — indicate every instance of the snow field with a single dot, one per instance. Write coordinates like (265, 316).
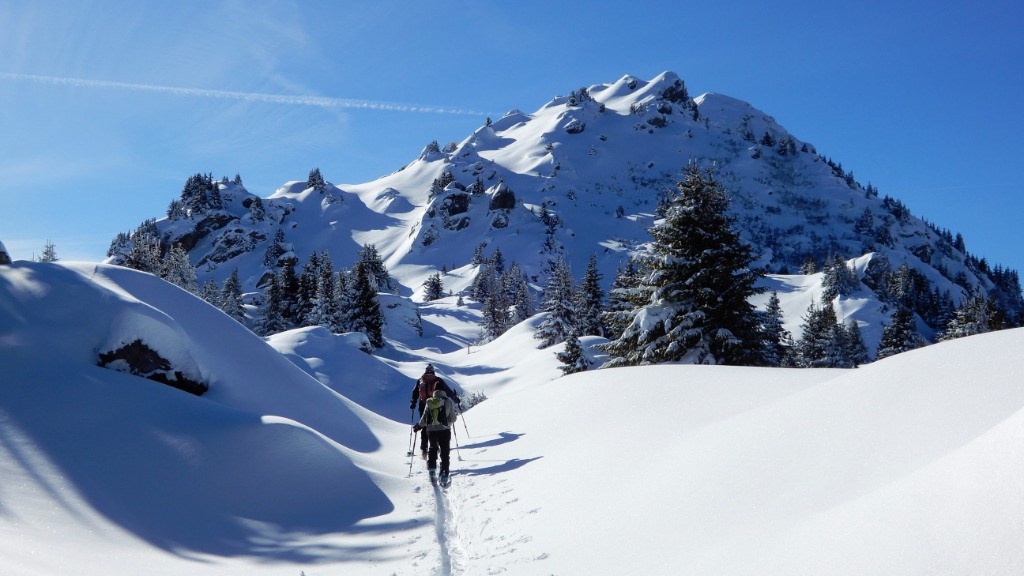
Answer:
(295, 461)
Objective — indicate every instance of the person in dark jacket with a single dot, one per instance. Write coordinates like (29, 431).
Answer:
(425, 387)
(436, 423)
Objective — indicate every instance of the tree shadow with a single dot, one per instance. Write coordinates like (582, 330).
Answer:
(506, 466)
(503, 438)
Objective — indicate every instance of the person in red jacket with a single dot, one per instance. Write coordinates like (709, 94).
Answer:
(424, 389)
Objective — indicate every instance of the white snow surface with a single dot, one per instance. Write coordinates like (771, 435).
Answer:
(295, 460)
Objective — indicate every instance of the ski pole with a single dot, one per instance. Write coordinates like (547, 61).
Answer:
(458, 450)
(412, 438)
(463, 414)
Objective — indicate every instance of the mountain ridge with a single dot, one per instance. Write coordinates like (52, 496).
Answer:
(585, 173)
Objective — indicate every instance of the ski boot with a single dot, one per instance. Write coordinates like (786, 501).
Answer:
(433, 475)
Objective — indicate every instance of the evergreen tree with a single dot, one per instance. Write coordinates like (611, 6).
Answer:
(309, 280)
(275, 250)
(365, 314)
(433, 288)
(494, 316)
(625, 296)
(211, 293)
(146, 250)
(826, 343)
(373, 265)
(326, 305)
(855, 351)
(231, 297)
(572, 358)
(179, 271)
(974, 316)
(839, 279)
(815, 348)
(316, 181)
(517, 294)
(288, 284)
(777, 340)
(485, 282)
(559, 304)
(272, 320)
(700, 278)
(900, 335)
(256, 211)
(589, 301)
(49, 252)
(498, 261)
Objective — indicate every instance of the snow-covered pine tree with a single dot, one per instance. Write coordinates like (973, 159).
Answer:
(309, 280)
(272, 318)
(494, 316)
(485, 282)
(364, 314)
(373, 265)
(823, 343)
(559, 304)
(855, 350)
(146, 249)
(589, 299)
(972, 317)
(572, 358)
(316, 181)
(179, 271)
(288, 284)
(626, 295)
(700, 276)
(275, 250)
(231, 297)
(256, 211)
(778, 341)
(49, 252)
(433, 287)
(517, 294)
(326, 308)
(211, 292)
(839, 279)
(900, 335)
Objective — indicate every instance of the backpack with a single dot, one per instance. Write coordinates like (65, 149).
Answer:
(437, 415)
(426, 390)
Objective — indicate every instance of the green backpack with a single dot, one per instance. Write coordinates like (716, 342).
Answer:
(438, 416)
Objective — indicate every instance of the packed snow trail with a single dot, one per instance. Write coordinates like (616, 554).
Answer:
(442, 517)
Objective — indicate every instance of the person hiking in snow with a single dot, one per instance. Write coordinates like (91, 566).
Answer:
(436, 422)
(425, 387)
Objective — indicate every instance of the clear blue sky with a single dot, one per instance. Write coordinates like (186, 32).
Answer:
(106, 107)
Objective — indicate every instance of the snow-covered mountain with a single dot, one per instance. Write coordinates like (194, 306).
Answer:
(583, 175)
(294, 459)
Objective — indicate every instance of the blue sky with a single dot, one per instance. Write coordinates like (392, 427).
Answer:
(106, 107)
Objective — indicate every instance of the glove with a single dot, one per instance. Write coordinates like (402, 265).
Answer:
(417, 428)
(412, 405)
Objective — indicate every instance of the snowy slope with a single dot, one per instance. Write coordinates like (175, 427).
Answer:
(910, 465)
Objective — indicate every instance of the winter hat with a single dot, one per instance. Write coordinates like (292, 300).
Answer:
(429, 370)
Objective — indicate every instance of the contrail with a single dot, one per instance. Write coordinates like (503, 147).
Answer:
(291, 100)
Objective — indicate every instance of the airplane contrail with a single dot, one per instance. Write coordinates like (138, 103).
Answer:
(293, 100)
